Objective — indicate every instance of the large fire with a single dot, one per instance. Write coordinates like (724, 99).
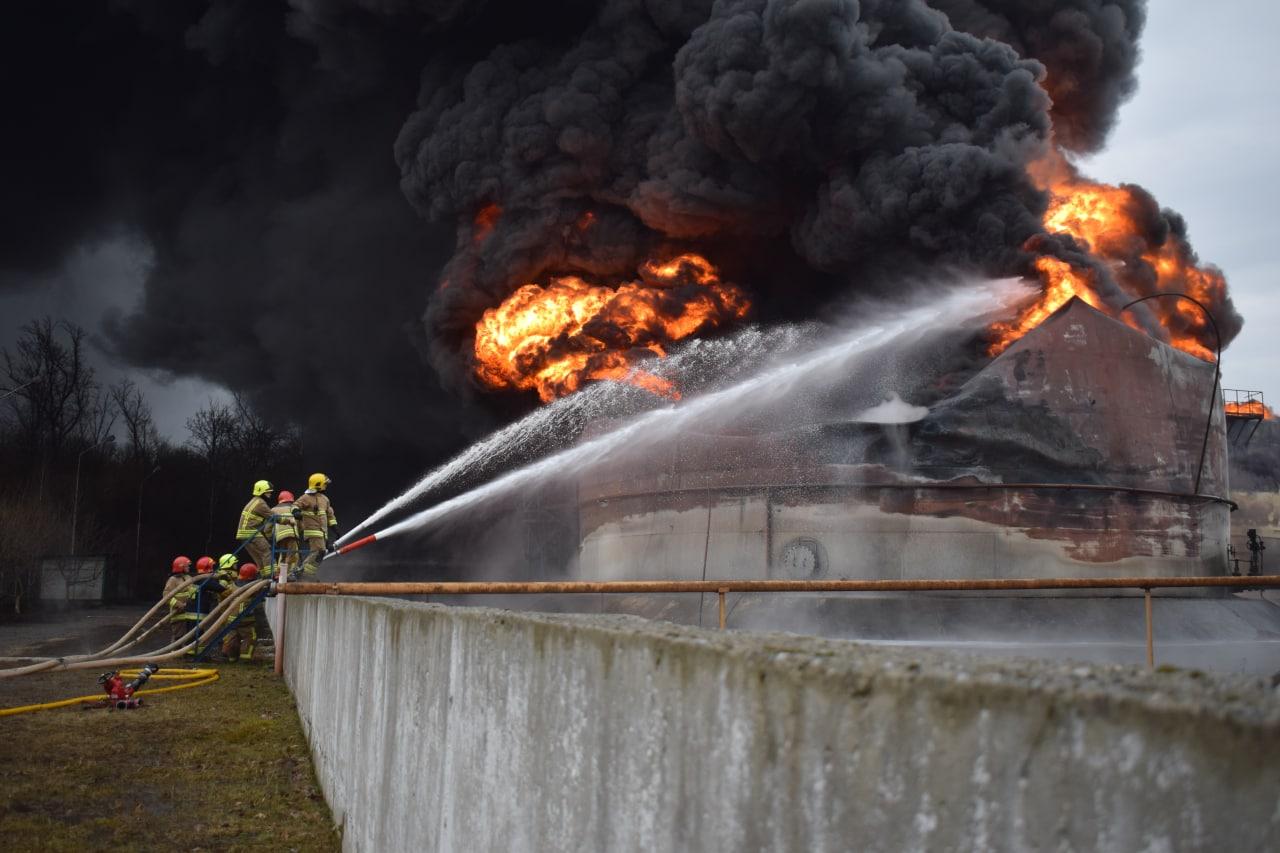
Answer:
(555, 337)
(1108, 221)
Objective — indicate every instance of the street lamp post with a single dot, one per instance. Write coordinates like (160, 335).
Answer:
(137, 540)
(75, 501)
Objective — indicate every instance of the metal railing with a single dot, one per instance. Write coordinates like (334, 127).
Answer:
(723, 587)
(1244, 404)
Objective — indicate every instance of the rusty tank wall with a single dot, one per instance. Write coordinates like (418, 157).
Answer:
(1074, 453)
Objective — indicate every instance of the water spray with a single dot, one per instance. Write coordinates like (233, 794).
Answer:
(758, 391)
(560, 420)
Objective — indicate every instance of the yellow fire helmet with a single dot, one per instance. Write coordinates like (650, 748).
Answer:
(227, 561)
(318, 482)
(262, 487)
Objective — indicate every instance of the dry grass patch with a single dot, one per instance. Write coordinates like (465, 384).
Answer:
(219, 767)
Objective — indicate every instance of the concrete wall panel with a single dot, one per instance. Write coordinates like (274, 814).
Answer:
(438, 728)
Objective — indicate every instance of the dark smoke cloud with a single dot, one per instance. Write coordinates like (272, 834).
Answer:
(249, 144)
(808, 148)
(854, 139)
(1089, 49)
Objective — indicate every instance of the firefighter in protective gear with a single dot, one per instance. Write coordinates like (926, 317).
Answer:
(242, 638)
(206, 594)
(255, 524)
(285, 522)
(179, 619)
(319, 524)
(228, 570)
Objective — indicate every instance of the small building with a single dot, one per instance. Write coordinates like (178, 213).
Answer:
(78, 579)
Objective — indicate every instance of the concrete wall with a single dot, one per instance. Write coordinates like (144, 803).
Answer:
(440, 728)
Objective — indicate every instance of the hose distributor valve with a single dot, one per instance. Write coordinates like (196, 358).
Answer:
(120, 692)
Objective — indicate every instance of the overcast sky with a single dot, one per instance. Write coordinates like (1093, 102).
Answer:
(1201, 135)
(1198, 134)
(96, 280)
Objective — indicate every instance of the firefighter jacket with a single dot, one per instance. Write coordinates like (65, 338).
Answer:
(206, 595)
(317, 514)
(254, 513)
(242, 606)
(286, 526)
(180, 605)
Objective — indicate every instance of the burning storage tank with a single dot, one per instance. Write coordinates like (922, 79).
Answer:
(1075, 453)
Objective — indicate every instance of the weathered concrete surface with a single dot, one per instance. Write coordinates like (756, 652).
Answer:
(438, 728)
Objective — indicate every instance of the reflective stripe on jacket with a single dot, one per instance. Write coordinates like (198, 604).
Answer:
(255, 512)
(185, 600)
(286, 525)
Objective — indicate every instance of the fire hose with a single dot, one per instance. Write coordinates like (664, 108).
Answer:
(127, 640)
(206, 627)
(190, 677)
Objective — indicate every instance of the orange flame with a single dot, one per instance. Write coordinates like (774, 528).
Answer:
(1250, 409)
(553, 338)
(1103, 219)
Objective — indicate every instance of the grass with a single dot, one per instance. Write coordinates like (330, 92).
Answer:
(219, 767)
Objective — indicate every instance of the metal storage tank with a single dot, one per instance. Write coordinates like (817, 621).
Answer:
(1074, 453)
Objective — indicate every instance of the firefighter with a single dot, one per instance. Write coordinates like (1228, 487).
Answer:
(207, 593)
(255, 524)
(179, 619)
(284, 518)
(319, 524)
(1256, 547)
(242, 638)
(228, 569)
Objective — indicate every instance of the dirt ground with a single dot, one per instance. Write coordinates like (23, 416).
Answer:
(222, 766)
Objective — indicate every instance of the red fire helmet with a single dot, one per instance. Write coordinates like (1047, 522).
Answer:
(204, 565)
(248, 572)
(286, 497)
(181, 565)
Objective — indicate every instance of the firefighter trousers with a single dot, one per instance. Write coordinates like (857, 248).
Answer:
(259, 551)
(179, 627)
(239, 643)
(315, 550)
(286, 555)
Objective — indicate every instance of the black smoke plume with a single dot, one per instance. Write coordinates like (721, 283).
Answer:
(265, 151)
(810, 149)
(1089, 49)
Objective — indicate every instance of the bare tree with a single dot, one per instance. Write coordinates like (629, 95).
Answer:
(139, 424)
(260, 444)
(213, 433)
(99, 415)
(58, 392)
(213, 437)
(28, 531)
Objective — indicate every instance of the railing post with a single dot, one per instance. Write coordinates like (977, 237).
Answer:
(1151, 648)
(720, 594)
(278, 633)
